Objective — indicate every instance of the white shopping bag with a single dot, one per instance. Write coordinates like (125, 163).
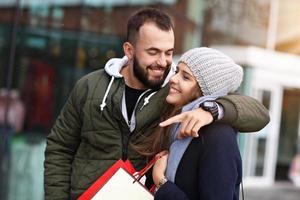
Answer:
(118, 182)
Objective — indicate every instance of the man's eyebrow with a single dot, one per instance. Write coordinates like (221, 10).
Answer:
(172, 49)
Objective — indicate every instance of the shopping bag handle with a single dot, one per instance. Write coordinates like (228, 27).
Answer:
(143, 171)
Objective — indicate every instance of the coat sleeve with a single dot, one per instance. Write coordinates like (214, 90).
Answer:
(169, 191)
(244, 113)
(62, 143)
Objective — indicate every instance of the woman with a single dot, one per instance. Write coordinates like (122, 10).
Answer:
(207, 166)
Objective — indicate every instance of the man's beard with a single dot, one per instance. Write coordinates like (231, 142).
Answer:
(142, 75)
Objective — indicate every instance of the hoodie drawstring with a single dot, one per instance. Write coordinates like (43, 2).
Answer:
(146, 100)
(103, 104)
(113, 68)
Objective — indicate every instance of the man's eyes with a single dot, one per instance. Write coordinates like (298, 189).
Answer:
(168, 53)
(152, 52)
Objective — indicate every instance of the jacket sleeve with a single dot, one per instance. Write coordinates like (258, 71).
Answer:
(244, 113)
(62, 143)
(170, 191)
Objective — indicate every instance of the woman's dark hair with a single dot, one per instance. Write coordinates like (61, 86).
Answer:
(158, 17)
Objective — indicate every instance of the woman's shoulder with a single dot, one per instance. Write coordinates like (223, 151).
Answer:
(216, 133)
(217, 127)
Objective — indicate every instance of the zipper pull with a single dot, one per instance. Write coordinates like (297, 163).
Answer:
(146, 101)
(101, 108)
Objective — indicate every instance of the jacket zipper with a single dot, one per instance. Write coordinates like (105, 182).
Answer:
(126, 143)
(135, 106)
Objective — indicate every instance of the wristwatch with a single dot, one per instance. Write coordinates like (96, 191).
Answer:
(161, 183)
(212, 107)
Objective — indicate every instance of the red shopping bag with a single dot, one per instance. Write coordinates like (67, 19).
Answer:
(120, 181)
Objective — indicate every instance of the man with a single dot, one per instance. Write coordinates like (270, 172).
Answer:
(109, 109)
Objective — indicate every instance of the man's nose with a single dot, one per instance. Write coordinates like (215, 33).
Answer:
(162, 60)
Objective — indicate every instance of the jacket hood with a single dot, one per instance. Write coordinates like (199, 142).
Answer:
(114, 66)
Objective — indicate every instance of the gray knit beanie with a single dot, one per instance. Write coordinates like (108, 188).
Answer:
(216, 73)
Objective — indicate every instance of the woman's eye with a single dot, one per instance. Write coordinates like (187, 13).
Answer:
(186, 77)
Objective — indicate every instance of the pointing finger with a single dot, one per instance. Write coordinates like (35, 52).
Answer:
(172, 120)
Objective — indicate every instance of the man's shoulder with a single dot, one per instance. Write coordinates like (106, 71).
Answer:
(89, 81)
(91, 78)
(93, 75)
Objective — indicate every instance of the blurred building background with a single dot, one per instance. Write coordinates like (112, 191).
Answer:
(45, 46)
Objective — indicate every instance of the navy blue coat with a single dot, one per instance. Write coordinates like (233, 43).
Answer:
(210, 169)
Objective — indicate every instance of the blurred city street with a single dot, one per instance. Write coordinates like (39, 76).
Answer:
(279, 191)
(46, 46)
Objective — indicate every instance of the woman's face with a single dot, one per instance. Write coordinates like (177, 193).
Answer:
(183, 87)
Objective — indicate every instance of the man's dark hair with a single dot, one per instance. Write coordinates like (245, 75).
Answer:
(158, 17)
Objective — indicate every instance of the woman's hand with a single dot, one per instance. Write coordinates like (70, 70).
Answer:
(191, 122)
(160, 167)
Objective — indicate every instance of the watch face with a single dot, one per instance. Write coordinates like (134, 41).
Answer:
(209, 104)
(211, 107)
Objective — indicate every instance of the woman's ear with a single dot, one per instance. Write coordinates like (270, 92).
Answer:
(198, 92)
(128, 50)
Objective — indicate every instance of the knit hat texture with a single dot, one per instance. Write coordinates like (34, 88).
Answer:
(215, 72)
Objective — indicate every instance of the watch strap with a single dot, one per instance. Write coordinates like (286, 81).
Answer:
(212, 107)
